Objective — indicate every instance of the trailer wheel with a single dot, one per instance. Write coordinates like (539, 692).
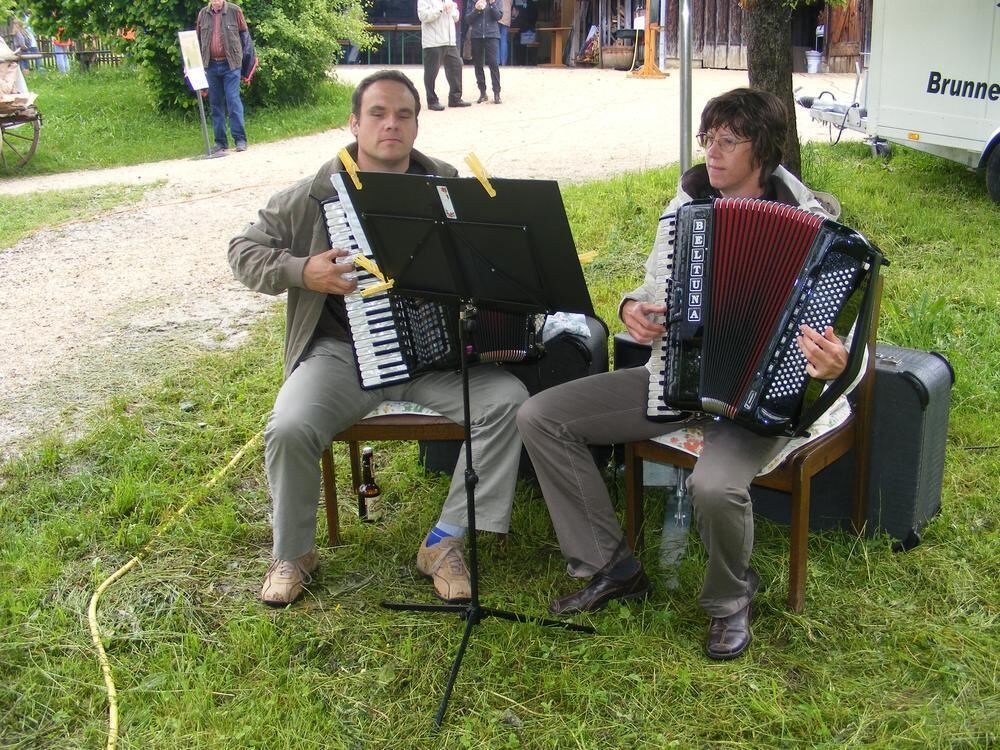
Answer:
(993, 174)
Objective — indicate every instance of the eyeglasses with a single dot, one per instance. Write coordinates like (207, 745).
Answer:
(726, 143)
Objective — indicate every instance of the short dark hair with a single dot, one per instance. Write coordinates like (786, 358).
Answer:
(383, 75)
(757, 115)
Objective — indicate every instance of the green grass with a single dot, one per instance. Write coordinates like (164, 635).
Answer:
(892, 651)
(20, 215)
(103, 119)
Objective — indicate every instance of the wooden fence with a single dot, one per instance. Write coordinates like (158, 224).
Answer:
(91, 53)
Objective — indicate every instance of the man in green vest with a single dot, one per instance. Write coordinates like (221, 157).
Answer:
(222, 33)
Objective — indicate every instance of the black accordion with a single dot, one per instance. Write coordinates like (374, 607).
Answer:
(741, 277)
(396, 336)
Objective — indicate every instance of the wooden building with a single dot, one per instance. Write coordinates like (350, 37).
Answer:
(849, 35)
(719, 30)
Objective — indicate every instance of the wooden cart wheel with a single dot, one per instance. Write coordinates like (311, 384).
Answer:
(19, 141)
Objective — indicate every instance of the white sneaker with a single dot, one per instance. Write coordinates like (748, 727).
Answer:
(286, 579)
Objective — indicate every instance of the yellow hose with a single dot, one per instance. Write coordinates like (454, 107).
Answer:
(95, 632)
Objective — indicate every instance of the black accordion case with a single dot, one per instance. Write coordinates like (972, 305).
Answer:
(909, 428)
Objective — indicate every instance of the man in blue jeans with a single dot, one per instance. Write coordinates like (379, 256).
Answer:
(222, 32)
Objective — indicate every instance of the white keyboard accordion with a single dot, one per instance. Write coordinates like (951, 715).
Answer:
(396, 337)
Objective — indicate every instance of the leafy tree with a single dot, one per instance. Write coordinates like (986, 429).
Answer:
(297, 41)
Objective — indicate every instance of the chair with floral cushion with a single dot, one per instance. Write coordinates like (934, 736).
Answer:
(792, 473)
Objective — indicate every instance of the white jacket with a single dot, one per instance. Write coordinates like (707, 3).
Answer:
(437, 25)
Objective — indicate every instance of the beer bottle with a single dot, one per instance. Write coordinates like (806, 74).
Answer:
(369, 495)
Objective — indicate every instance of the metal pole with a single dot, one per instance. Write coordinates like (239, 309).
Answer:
(662, 39)
(204, 131)
(204, 126)
(684, 32)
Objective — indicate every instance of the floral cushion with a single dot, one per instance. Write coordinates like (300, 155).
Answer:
(400, 407)
(689, 438)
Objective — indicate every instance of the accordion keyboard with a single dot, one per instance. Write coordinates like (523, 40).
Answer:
(656, 407)
(376, 343)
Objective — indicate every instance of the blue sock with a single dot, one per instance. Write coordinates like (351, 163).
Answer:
(441, 531)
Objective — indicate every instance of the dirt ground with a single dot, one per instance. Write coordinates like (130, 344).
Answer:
(89, 308)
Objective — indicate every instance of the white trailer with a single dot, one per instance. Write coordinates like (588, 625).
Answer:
(932, 83)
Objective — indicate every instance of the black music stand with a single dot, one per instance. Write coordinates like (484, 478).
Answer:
(446, 239)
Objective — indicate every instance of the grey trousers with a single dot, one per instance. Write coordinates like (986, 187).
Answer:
(434, 57)
(322, 397)
(558, 424)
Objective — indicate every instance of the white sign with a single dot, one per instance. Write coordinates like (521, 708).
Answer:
(194, 68)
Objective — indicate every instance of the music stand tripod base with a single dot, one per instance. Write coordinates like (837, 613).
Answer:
(472, 612)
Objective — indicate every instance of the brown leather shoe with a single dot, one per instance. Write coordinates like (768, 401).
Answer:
(286, 579)
(728, 637)
(444, 563)
(601, 590)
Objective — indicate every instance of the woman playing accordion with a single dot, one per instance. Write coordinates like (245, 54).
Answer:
(742, 132)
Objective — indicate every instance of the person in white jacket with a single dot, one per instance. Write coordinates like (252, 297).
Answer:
(437, 37)
(743, 132)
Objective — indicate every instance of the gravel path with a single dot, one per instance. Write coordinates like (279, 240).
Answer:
(92, 307)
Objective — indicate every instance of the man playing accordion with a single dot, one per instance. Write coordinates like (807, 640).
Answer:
(287, 249)
(742, 132)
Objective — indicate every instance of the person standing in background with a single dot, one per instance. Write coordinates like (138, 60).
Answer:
(504, 24)
(482, 21)
(437, 37)
(19, 42)
(25, 38)
(60, 48)
(29, 34)
(222, 32)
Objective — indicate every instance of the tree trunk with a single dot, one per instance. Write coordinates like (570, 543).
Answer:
(769, 63)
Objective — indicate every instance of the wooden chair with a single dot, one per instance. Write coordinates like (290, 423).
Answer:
(793, 475)
(382, 427)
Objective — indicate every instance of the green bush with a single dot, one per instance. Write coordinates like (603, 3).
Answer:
(297, 41)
